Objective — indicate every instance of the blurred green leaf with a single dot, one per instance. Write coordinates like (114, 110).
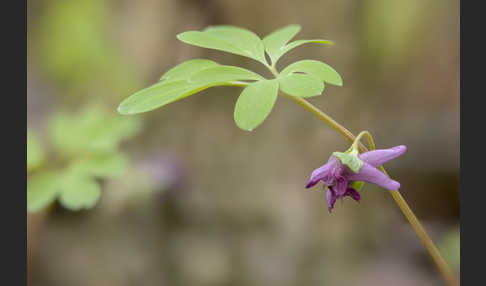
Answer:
(35, 153)
(91, 130)
(101, 165)
(42, 189)
(386, 30)
(69, 46)
(69, 42)
(276, 41)
(349, 159)
(450, 246)
(229, 39)
(317, 69)
(187, 68)
(79, 192)
(223, 74)
(255, 103)
(301, 85)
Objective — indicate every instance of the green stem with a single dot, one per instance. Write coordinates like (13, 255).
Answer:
(444, 268)
(273, 70)
(368, 137)
(326, 118)
(237, 83)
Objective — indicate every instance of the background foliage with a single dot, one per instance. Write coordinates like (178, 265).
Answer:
(185, 197)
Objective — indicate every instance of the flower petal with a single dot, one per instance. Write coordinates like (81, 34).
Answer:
(341, 186)
(320, 173)
(353, 194)
(378, 157)
(370, 174)
(330, 198)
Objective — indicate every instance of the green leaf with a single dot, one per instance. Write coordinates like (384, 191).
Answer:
(161, 94)
(255, 103)
(224, 74)
(275, 41)
(450, 247)
(42, 190)
(301, 85)
(165, 92)
(350, 159)
(186, 69)
(317, 69)
(79, 192)
(35, 153)
(158, 95)
(229, 39)
(100, 165)
(298, 43)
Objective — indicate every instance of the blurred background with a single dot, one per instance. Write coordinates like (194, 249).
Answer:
(181, 196)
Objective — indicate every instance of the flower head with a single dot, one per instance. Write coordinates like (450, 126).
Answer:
(338, 177)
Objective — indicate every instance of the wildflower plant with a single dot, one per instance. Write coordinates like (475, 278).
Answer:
(345, 172)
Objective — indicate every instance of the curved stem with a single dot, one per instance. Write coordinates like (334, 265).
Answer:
(326, 118)
(444, 268)
(368, 137)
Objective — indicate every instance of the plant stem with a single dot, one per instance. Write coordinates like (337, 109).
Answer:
(444, 268)
(236, 83)
(273, 70)
(326, 118)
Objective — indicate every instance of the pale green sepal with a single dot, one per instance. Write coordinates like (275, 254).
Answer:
(350, 159)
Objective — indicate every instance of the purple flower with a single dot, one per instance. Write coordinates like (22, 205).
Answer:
(339, 177)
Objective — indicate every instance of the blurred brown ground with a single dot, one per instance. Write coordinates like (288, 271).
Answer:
(237, 213)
